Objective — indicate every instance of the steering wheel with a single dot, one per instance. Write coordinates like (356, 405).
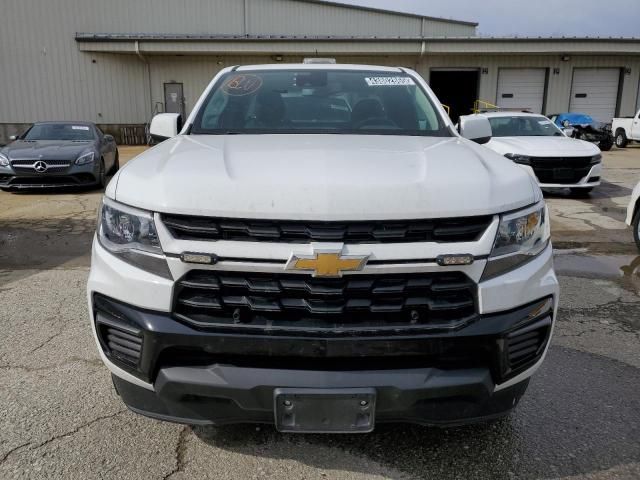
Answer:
(377, 121)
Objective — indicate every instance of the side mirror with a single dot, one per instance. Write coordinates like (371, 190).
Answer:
(165, 125)
(13, 137)
(475, 128)
(109, 138)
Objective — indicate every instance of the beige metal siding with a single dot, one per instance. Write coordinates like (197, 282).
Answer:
(46, 74)
(304, 18)
(301, 18)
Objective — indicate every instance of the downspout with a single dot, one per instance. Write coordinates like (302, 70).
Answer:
(146, 62)
(246, 20)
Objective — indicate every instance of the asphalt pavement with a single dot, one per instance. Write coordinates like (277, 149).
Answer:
(60, 416)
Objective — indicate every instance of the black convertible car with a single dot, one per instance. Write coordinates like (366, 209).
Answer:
(58, 154)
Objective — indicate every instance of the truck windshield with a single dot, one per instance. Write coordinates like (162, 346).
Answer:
(521, 126)
(318, 101)
(59, 131)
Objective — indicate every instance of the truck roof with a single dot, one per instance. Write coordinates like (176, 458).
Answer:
(318, 66)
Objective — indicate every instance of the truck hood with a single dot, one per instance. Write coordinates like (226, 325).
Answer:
(543, 146)
(46, 149)
(322, 177)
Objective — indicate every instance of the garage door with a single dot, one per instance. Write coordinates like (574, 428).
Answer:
(521, 88)
(595, 92)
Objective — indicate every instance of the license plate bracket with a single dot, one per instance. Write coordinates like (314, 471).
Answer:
(563, 173)
(307, 410)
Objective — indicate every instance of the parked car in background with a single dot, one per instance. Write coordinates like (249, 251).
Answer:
(583, 127)
(536, 144)
(633, 214)
(626, 129)
(319, 249)
(58, 154)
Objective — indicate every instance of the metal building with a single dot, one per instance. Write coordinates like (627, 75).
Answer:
(118, 62)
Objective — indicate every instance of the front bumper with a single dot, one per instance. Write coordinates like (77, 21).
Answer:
(197, 376)
(210, 378)
(592, 179)
(73, 176)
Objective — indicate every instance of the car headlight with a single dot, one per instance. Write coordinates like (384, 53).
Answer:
(521, 237)
(521, 159)
(85, 158)
(130, 234)
(596, 159)
(4, 160)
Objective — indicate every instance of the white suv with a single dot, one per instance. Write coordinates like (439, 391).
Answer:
(319, 249)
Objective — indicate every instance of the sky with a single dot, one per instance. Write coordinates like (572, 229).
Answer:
(604, 18)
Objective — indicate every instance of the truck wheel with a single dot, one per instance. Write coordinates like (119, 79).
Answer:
(621, 139)
(581, 192)
(635, 224)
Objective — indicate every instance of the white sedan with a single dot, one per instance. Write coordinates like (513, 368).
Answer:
(543, 150)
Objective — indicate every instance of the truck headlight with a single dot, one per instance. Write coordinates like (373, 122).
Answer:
(85, 158)
(521, 236)
(130, 234)
(521, 159)
(4, 160)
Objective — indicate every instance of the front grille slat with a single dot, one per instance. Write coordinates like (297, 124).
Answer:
(462, 229)
(285, 301)
(124, 346)
(525, 346)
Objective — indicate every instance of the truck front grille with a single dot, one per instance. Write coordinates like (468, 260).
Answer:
(561, 169)
(285, 303)
(461, 229)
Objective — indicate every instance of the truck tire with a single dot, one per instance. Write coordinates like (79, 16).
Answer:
(621, 139)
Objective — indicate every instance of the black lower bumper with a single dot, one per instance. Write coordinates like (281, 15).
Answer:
(208, 377)
(46, 181)
(220, 395)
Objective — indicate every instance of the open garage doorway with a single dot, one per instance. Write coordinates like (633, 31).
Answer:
(457, 88)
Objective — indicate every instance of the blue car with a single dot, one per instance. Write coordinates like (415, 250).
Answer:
(584, 127)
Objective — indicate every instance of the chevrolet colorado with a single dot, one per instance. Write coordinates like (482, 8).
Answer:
(318, 248)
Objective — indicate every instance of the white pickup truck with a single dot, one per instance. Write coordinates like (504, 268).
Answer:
(318, 248)
(626, 130)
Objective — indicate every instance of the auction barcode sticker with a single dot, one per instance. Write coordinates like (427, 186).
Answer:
(389, 81)
(79, 127)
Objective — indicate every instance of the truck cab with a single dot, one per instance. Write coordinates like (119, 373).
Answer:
(316, 247)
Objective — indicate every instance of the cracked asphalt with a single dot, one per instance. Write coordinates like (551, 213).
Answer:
(60, 416)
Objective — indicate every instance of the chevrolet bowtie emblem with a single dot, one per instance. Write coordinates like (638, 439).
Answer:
(324, 263)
